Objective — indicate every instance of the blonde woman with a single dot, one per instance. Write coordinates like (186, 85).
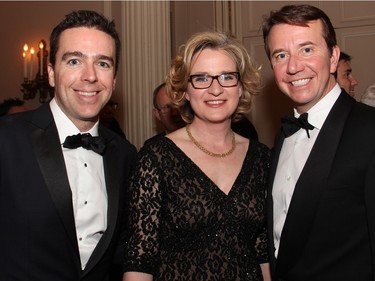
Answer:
(198, 194)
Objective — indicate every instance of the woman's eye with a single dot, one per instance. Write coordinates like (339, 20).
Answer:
(227, 77)
(202, 78)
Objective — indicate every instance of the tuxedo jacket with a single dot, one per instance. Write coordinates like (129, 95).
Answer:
(329, 232)
(38, 237)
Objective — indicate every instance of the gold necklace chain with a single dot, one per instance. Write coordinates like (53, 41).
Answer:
(218, 155)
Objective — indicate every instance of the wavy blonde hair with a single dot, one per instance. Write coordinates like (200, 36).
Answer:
(179, 72)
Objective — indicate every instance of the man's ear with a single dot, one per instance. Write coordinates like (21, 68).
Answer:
(51, 75)
(335, 58)
(156, 113)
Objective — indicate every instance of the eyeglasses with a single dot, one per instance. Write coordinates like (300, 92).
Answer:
(204, 81)
(165, 109)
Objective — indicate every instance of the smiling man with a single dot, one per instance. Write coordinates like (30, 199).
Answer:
(63, 176)
(321, 215)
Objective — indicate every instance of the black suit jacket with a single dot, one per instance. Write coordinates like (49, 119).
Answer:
(329, 232)
(38, 237)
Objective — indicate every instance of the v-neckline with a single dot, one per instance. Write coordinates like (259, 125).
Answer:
(202, 174)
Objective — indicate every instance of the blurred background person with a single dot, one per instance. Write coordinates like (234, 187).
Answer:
(344, 74)
(369, 96)
(107, 118)
(11, 105)
(164, 111)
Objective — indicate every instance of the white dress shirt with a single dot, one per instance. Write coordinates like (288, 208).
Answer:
(293, 156)
(87, 182)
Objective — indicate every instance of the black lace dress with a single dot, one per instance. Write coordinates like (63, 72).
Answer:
(183, 227)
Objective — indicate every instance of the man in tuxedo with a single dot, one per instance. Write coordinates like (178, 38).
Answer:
(321, 209)
(61, 197)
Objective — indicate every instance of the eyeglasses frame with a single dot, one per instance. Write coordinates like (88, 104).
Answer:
(214, 77)
(165, 109)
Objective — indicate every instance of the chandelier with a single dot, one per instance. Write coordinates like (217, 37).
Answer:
(36, 84)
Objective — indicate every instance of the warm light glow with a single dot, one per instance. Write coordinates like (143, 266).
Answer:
(32, 51)
(24, 64)
(41, 65)
(35, 74)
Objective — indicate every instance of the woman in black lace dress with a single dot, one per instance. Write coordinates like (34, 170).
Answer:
(197, 206)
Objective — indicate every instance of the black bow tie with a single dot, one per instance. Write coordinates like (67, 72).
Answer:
(97, 144)
(291, 124)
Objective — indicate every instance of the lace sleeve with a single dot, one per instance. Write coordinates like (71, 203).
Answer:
(142, 246)
(261, 245)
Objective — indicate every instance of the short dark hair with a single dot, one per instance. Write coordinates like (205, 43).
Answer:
(155, 94)
(344, 57)
(299, 15)
(8, 104)
(84, 18)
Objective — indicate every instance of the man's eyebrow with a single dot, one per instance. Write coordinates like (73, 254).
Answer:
(107, 58)
(303, 44)
(306, 43)
(277, 51)
(81, 55)
(72, 54)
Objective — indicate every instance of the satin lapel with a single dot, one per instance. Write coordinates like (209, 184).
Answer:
(113, 174)
(311, 184)
(275, 159)
(51, 163)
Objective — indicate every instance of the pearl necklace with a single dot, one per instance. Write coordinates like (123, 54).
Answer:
(218, 155)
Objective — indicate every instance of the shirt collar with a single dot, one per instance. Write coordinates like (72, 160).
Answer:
(319, 112)
(65, 126)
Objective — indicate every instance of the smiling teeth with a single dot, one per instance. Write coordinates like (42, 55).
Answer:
(88, 94)
(301, 82)
(215, 102)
